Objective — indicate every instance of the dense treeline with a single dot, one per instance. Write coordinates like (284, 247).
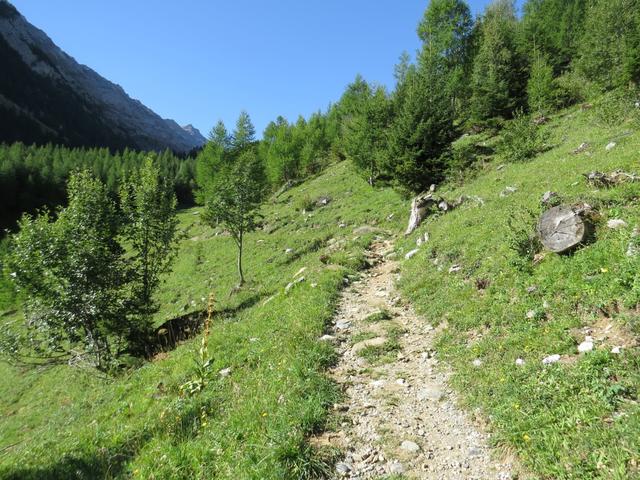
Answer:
(32, 177)
(469, 74)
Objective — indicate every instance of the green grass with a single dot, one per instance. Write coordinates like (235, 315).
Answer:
(578, 419)
(385, 353)
(68, 423)
(380, 316)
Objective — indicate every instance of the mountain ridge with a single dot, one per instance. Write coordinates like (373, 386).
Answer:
(51, 72)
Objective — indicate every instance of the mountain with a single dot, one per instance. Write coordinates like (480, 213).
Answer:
(46, 96)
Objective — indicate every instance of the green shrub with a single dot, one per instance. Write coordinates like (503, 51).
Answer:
(521, 139)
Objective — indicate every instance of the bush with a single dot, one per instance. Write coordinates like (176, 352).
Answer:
(522, 238)
(617, 108)
(521, 139)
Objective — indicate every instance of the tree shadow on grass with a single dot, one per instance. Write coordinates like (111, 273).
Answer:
(104, 463)
(184, 424)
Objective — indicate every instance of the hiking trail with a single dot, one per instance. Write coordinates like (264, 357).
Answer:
(398, 415)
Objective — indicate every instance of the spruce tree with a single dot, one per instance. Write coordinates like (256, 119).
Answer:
(497, 80)
(540, 87)
(445, 31)
(365, 134)
(610, 46)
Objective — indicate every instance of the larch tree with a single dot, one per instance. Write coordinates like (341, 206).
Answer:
(234, 190)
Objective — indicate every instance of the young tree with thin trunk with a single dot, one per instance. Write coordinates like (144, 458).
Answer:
(232, 188)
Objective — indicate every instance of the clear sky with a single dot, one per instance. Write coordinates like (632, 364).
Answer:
(198, 61)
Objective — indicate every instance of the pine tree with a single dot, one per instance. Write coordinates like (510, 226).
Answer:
(610, 46)
(497, 80)
(540, 88)
(445, 31)
(244, 133)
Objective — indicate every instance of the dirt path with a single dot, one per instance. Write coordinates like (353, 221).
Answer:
(399, 416)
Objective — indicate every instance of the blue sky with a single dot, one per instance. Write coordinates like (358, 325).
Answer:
(198, 61)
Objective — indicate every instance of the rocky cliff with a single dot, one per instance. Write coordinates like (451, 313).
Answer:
(46, 96)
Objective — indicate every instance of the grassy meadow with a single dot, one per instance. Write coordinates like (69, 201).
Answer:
(68, 423)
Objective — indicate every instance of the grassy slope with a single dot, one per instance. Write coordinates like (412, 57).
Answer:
(577, 419)
(63, 423)
(580, 418)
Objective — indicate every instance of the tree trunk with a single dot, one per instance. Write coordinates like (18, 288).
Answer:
(563, 228)
(419, 208)
(240, 273)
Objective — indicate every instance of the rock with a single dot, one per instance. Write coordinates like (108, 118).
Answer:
(585, 346)
(323, 201)
(477, 362)
(551, 359)
(532, 289)
(531, 314)
(583, 147)
(299, 272)
(431, 394)
(343, 469)
(343, 325)
(607, 180)
(508, 191)
(549, 198)
(290, 285)
(366, 229)
(288, 251)
(411, 254)
(610, 146)
(519, 362)
(409, 446)
(475, 452)
(225, 372)
(395, 468)
(422, 239)
(327, 338)
(616, 223)
(616, 350)
(564, 227)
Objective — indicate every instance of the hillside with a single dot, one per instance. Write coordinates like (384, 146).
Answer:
(46, 96)
(578, 418)
(574, 419)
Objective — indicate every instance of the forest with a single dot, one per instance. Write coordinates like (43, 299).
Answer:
(470, 74)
